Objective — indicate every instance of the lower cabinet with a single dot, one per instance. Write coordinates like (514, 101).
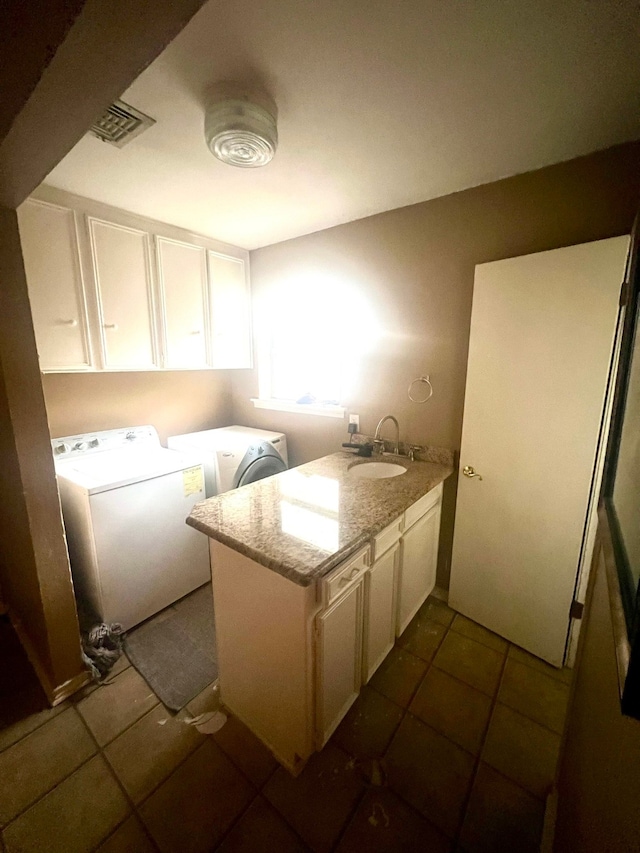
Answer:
(338, 660)
(418, 565)
(295, 673)
(380, 610)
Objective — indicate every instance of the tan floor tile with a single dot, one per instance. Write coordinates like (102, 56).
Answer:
(74, 817)
(501, 816)
(120, 665)
(384, 824)
(438, 611)
(453, 708)
(398, 676)
(116, 704)
(369, 725)
(422, 636)
(149, 751)
(476, 632)
(318, 803)
(16, 731)
(128, 838)
(246, 751)
(191, 811)
(560, 673)
(430, 772)
(261, 830)
(470, 661)
(207, 700)
(534, 694)
(31, 767)
(522, 750)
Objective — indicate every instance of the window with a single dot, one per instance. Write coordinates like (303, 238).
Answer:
(312, 336)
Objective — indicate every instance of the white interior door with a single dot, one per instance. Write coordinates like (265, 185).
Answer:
(542, 330)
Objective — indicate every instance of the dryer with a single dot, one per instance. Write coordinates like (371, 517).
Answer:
(234, 456)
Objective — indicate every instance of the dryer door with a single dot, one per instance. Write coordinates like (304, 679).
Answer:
(263, 467)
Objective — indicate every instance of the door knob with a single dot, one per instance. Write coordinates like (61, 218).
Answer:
(468, 471)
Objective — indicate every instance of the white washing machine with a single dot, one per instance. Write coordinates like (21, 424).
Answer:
(234, 456)
(125, 499)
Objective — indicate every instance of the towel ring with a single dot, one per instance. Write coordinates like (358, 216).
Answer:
(426, 381)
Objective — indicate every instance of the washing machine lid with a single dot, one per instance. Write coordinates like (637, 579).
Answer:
(112, 469)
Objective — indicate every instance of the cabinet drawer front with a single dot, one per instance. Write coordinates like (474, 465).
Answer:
(386, 539)
(345, 576)
(422, 506)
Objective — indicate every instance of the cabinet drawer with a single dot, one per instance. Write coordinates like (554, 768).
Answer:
(344, 576)
(386, 539)
(422, 506)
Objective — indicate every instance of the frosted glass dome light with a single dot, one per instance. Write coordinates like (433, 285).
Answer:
(241, 132)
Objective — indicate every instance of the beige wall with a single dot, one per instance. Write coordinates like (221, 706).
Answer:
(416, 265)
(34, 569)
(173, 401)
(87, 60)
(599, 779)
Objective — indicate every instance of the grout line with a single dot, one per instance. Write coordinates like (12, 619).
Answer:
(59, 782)
(164, 778)
(478, 758)
(58, 713)
(5, 826)
(126, 728)
(530, 719)
(236, 821)
(536, 667)
(122, 788)
(350, 818)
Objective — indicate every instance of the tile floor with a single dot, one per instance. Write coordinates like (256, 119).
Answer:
(451, 747)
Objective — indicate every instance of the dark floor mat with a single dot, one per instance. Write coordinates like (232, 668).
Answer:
(175, 652)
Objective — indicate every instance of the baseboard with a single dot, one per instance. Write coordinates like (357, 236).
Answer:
(55, 693)
(440, 593)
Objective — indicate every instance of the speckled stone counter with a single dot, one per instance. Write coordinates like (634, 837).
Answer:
(304, 522)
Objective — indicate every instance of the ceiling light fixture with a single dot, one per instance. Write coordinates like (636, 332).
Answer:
(241, 129)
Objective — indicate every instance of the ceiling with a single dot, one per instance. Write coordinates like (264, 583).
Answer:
(381, 104)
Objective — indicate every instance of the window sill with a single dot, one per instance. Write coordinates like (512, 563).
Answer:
(301, 408)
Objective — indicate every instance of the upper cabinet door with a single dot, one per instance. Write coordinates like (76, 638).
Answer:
(182, 274)
(52, 265)
(230, 306)
(121, 263)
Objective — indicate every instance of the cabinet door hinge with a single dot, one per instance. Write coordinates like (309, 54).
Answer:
(576, 610)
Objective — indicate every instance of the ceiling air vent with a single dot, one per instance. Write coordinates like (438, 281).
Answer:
(120, 123)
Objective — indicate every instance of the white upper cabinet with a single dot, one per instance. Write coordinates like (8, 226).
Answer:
(110, 290)
(121, 265)
(52, 264)
(182, 276)
(230, 306)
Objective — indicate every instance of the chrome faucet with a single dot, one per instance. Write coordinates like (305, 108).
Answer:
(378, 443)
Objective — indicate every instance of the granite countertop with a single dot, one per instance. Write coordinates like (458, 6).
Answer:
(304, 522)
